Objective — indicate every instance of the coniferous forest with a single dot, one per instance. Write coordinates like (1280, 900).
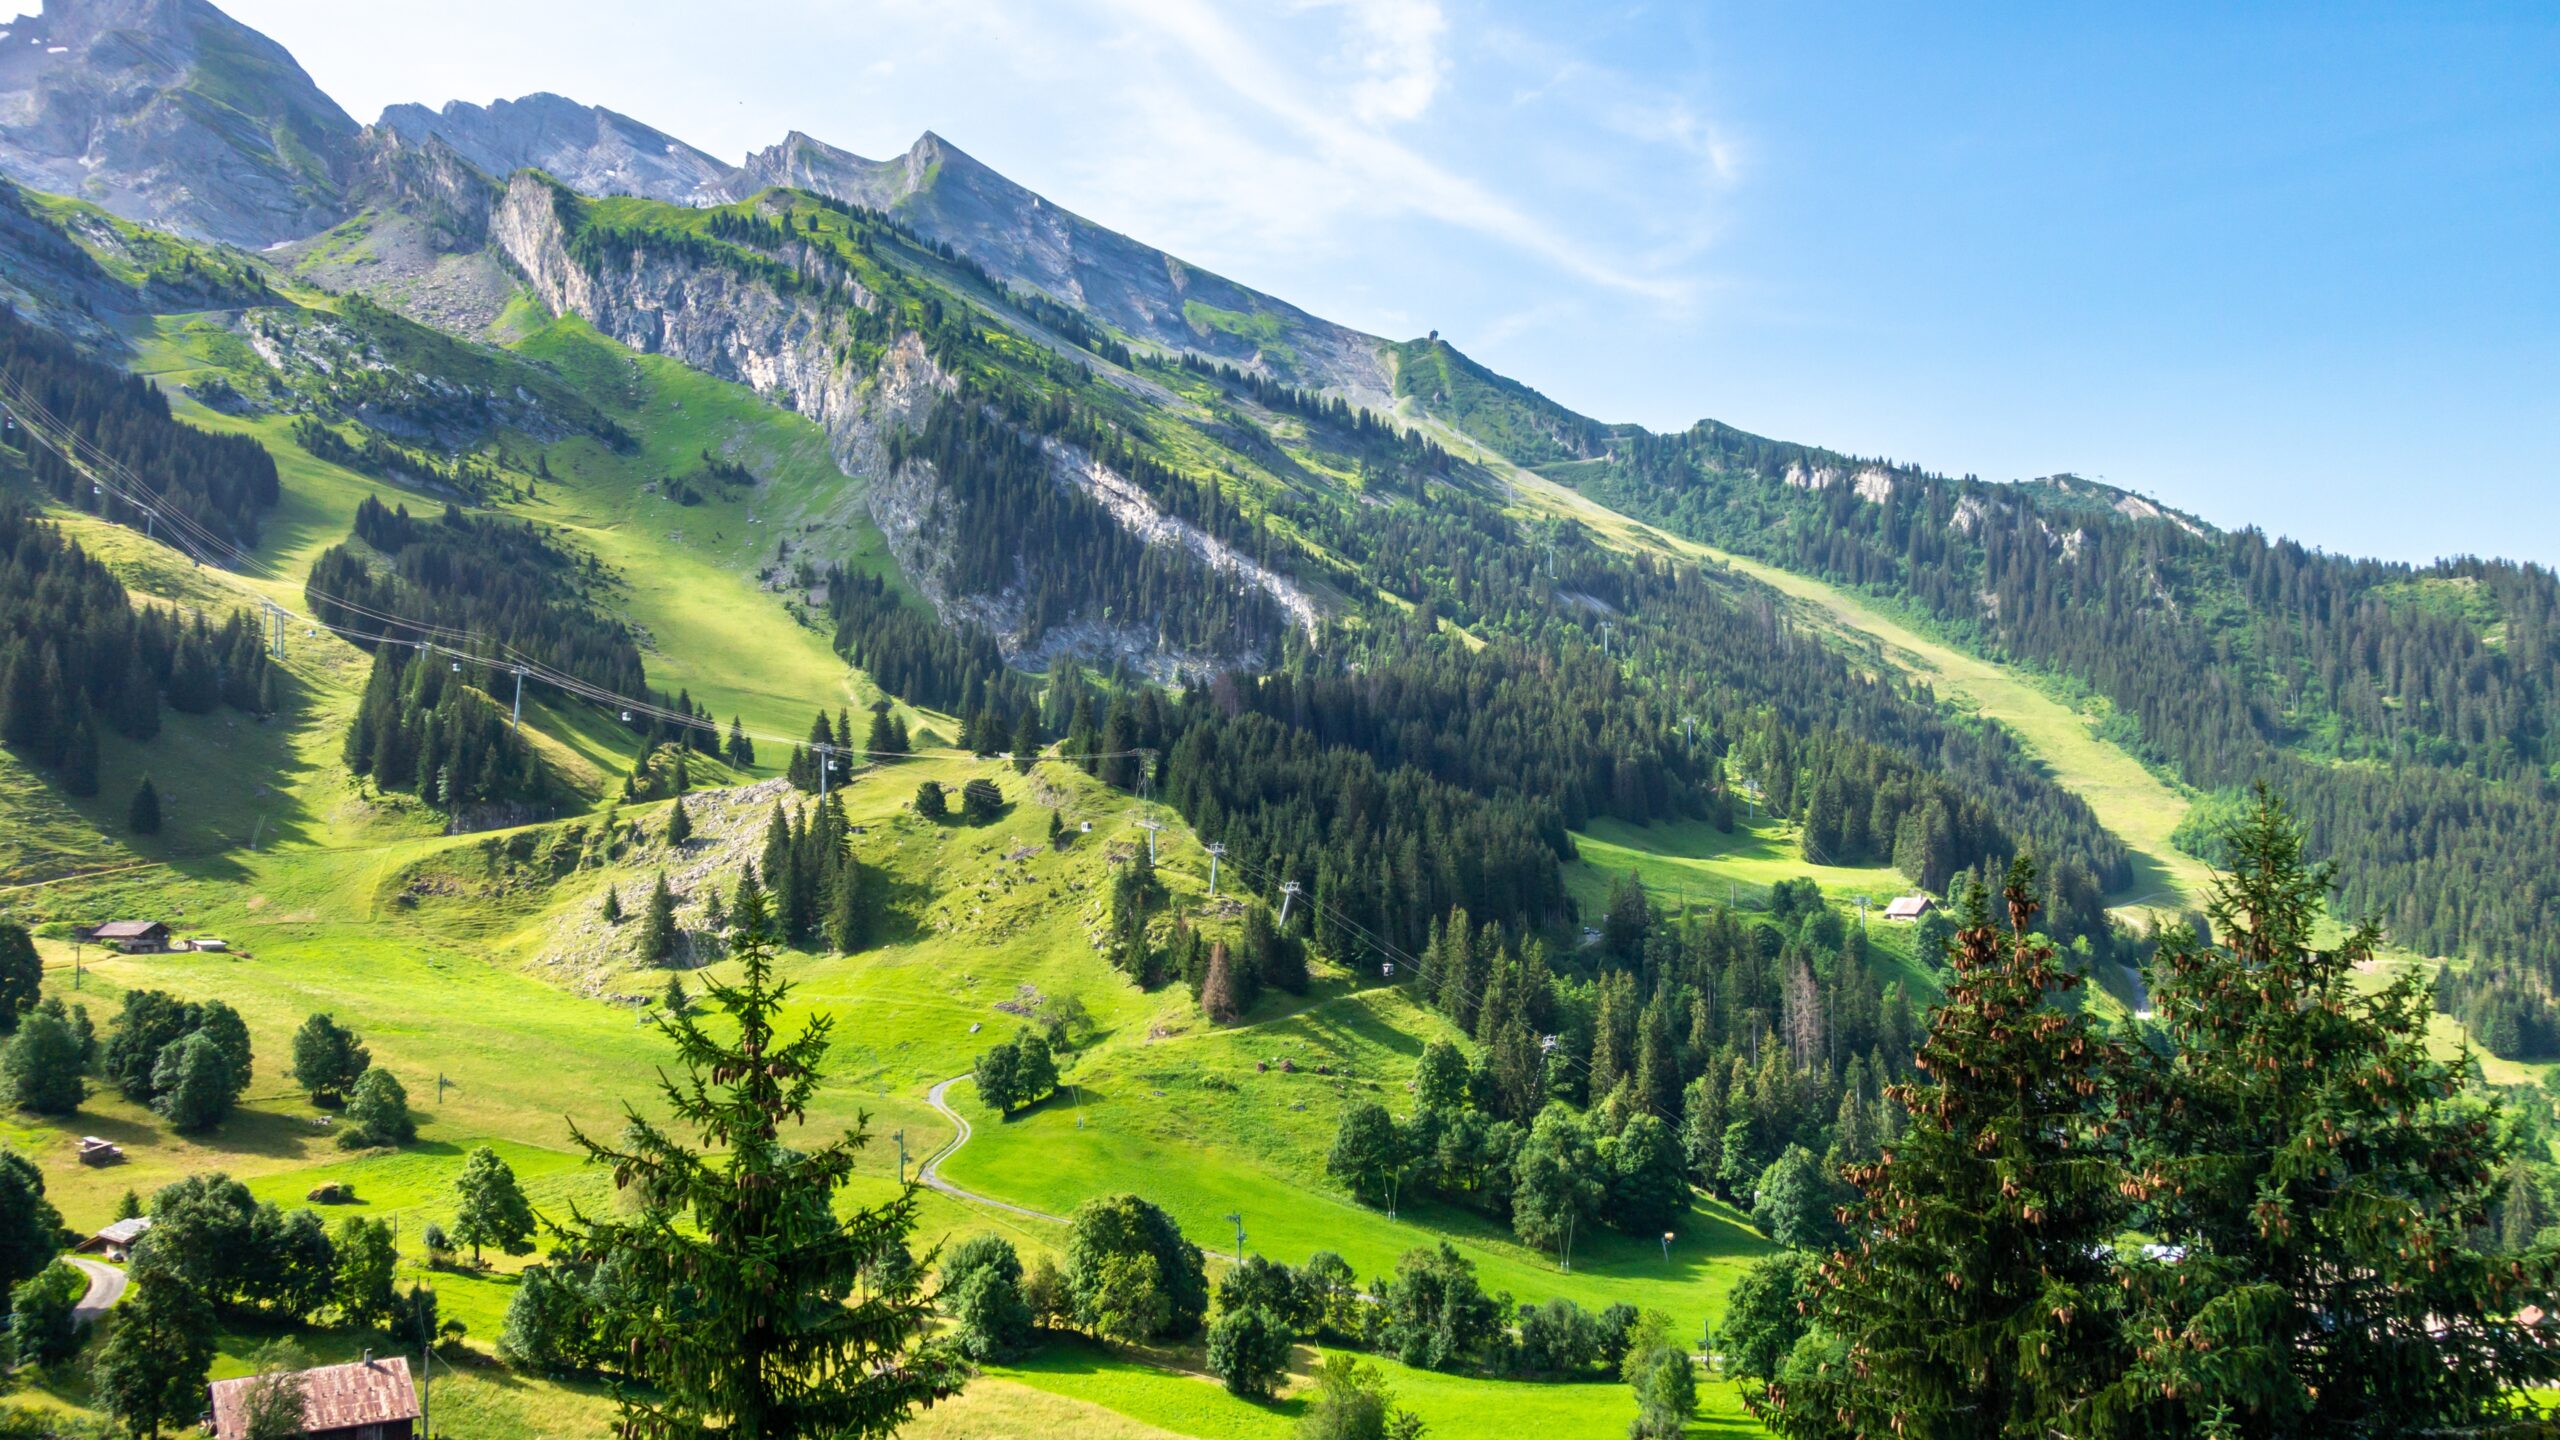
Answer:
(2399, 709)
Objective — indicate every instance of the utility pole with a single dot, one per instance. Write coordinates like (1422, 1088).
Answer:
(441, 1084)
(1690, 724)
(901, 1138)
(1666, 1247)
(826, 763)
(75, 964)
(1216, 852)
(1288, 891)
(1605, 628)
(1565, 1255)
(1236, 1217)
(1151, 827)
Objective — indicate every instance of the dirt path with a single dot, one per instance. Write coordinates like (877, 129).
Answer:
(930, 1173)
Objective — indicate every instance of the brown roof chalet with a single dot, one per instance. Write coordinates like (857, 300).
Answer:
(371, 1396)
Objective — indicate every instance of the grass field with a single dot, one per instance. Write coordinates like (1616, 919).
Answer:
(1171, 1401)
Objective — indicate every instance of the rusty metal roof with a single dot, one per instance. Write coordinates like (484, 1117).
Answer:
(334, 1397)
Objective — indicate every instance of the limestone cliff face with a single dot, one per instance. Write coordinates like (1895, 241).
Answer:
(789, 348)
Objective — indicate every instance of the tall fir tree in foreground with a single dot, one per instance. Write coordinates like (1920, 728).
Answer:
(760, 1312)
(1976, 1297)
(2319, 1176)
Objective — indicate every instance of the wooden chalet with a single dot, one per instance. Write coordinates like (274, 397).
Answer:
(371, 1399)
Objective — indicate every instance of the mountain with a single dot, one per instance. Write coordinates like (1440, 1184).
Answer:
(1027, 241)
(1075, 445)
(943, 194)
(586, 147)
(172, 112)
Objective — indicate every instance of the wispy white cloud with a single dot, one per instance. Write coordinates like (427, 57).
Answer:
(1396, 47)
(1385, 171)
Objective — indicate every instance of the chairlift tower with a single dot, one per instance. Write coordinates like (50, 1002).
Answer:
(1216, 852)
(1289, 891)
(1151, 827)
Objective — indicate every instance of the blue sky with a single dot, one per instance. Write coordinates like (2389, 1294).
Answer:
(2292, 266)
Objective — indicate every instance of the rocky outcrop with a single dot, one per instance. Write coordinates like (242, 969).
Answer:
(719, 320)
(172, 112)
(791, 347)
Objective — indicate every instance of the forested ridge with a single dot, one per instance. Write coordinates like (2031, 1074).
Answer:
(222, 483)
(2404, 711)
(78, 659)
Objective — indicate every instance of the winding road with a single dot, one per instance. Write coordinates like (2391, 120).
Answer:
(930, 1173)
(106, 1286)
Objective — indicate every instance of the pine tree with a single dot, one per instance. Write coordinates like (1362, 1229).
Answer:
(2321, 1174)
(612, 908)
(658, 926)
(80, 759)
(144, 816)
(1220, 994)
(1026, 740)
(848, 922)
(1980, 1297)
(679, 824)
(761, 1311)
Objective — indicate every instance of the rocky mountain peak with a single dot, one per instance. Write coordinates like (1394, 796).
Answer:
(172, 112)
(587, 147)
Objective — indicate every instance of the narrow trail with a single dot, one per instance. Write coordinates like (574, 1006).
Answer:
(106, 1286)
(930, 1173)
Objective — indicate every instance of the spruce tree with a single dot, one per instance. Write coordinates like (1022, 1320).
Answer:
(1978, 1297)
(848, 922)
(2320, 1174)
(760, 1310)
(21, 974)
(143, 818)
(658, 926)
(1026, 740)
(80, 759)
(679, 824)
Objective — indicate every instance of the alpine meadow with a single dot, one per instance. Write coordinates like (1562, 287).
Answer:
(649, 797)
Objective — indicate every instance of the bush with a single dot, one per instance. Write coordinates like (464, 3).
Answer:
(1353, 1402)
(41, 1330)
(982, 1277)
(378, 1113)
(930, 802)
(1131, 1273)
(1249, 1350)
(41, 1067)
(981, 801)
